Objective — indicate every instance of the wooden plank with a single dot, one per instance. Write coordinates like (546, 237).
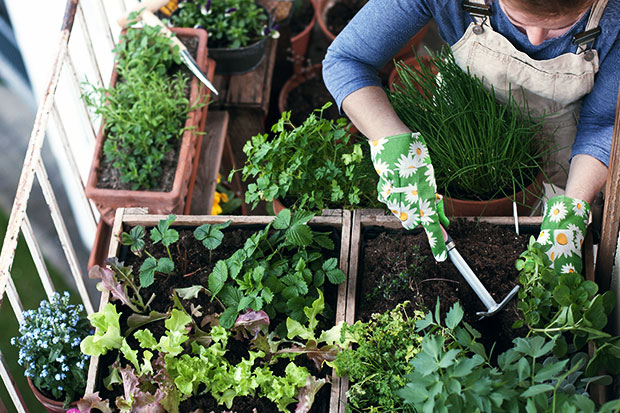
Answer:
(249, 90)
(334, 400)
(210, 162)
(189, 220)
(611, 218)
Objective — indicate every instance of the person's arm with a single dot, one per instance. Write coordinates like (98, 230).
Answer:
(586, 177)
(371, 112)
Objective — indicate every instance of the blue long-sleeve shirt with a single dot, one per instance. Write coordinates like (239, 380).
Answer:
(382, 27)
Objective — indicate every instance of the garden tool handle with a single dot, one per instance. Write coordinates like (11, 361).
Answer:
(148, 5)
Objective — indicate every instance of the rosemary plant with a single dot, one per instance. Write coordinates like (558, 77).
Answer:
(481, 149)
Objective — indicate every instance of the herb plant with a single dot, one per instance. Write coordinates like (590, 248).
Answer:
(49, 348)
(316, 165)
(481, 148)
(230, 23)
(453, 372)
(145, 112)
(280, 270)
(567, 308)
(379, 360)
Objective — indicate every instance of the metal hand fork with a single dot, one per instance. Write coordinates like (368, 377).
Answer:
(492, 306)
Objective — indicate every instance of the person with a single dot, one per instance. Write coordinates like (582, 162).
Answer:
(562, 55)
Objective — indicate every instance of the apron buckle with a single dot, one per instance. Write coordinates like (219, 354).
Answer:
(585, 41)
(479, 13)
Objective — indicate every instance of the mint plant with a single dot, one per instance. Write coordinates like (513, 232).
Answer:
(313, 166)
(145, 112)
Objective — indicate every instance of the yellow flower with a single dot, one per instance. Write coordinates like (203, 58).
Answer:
(216, 209)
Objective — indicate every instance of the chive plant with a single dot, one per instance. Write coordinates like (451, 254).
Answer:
(481, 149)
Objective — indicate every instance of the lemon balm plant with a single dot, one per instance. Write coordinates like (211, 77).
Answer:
(49, 348)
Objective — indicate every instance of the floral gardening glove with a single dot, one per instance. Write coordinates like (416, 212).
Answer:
(407, 186)
(562, 232)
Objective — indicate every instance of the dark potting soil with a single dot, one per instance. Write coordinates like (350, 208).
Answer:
(339, 15)
(311, 94)
(109, 177)
(397, 265)
(193, 264)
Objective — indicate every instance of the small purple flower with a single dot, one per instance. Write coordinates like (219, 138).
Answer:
(206, 9)
(230, 11)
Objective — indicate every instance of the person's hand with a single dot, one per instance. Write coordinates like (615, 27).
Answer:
(562, 232)
(407, 186)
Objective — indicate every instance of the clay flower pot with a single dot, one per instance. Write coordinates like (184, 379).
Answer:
(174, 201)
(52, 406)
(300, 42)
(322, 8)
(413, 62)
(526, 203)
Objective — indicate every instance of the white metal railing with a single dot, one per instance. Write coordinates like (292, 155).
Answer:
(87, 37)
(84, 53)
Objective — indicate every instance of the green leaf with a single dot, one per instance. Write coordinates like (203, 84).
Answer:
(165, 265)
(190, 293)
(211, 234)
(454, 316)
(561, 294)
(228, 317)
(135, 238)
(218, 277)
(299, 235)
(334, 274)
(282, 220)
(537, 389)
(549, 371)
(147, 272)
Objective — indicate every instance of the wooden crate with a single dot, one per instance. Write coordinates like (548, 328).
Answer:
(377, 218)
(126, 218)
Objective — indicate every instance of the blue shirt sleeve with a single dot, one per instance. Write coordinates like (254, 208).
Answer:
(382, 27)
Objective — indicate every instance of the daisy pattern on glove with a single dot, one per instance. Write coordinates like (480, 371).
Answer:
(407, 186)
(563, 231)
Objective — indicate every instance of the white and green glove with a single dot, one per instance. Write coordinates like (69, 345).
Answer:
(407, 186)
(562, 232)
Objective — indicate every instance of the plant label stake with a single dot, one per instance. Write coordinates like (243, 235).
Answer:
(474, 282)
(147, 17)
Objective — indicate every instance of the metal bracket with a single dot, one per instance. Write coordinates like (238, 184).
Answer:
(479, 14)
(585, 40)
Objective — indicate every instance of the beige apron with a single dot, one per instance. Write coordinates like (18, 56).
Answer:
(553, 88)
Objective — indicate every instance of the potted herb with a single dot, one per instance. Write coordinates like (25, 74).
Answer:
(49, 349)
(316, 165)
(245, 312)
(149, 137)
(238, 31)
(481, 149)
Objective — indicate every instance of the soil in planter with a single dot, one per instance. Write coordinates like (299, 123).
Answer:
(301, 17)
(193, 264)
(311, 94)
(397, 265)
(109, 177)
(341, 13)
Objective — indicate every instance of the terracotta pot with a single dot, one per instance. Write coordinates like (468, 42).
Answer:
(323, 6)
(277, 206)
(497, 207)
(99, 251)
(299, 43)
(295, 81)
(52, 406)
(107, 200)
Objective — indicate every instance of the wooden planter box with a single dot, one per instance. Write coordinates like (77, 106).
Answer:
(339, 220)
(174, 201)
(363, 219)
(376, 219)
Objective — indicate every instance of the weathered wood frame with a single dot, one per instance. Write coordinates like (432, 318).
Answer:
(125, 218)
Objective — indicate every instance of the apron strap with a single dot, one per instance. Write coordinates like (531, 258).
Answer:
(585, 39)
(479, 12)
